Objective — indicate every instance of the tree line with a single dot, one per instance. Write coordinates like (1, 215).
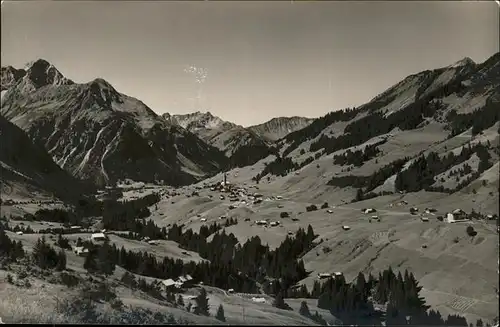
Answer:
(357, 157)
(479, 119)
(252, 258)
(420, 175)
(249, 154)
(316, 127)
(398, 293)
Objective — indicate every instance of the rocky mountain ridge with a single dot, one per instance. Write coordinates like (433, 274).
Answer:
(94, 132)
(229, 137)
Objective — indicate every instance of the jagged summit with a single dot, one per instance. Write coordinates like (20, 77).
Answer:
(37, 63)
(40, 73)
(10, 76)
(198, 120)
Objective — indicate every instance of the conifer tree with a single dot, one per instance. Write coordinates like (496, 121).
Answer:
(279, 301)
(304, 309)
(105, 260)
(220, 313)
(202, 303)
(61, 260)
(180, 300)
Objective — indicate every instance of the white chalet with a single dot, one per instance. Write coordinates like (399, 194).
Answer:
(324, 275)
(98, 237)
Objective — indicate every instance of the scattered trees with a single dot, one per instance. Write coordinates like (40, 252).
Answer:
(100, 259)
(46, 257)
(421, 173)
(358, 157)
(10, 250)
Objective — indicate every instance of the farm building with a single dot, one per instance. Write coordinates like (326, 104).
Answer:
(169, 284)
(459, 214)
(324, 275)
(182, 281)
(185, 279)
(452, 218)
(258, 299)
(98, 237)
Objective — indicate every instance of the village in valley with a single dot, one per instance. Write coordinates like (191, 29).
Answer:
(304, 165)
(235, 206)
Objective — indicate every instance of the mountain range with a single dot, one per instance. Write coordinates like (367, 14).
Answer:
(96, 133)
(99, 135)
(229, 137)
(423, 156)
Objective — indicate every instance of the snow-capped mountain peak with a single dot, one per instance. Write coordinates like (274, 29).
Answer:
(463, 62)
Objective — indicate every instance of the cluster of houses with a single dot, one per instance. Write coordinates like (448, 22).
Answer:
(457, 215)
(178, 283)
(94, 238)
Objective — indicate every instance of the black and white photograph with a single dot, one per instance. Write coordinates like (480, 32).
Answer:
(298, 162)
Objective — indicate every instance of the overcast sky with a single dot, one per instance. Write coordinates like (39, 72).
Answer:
(263, 59)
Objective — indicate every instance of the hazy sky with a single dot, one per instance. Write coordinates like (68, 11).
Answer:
(263, 59)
